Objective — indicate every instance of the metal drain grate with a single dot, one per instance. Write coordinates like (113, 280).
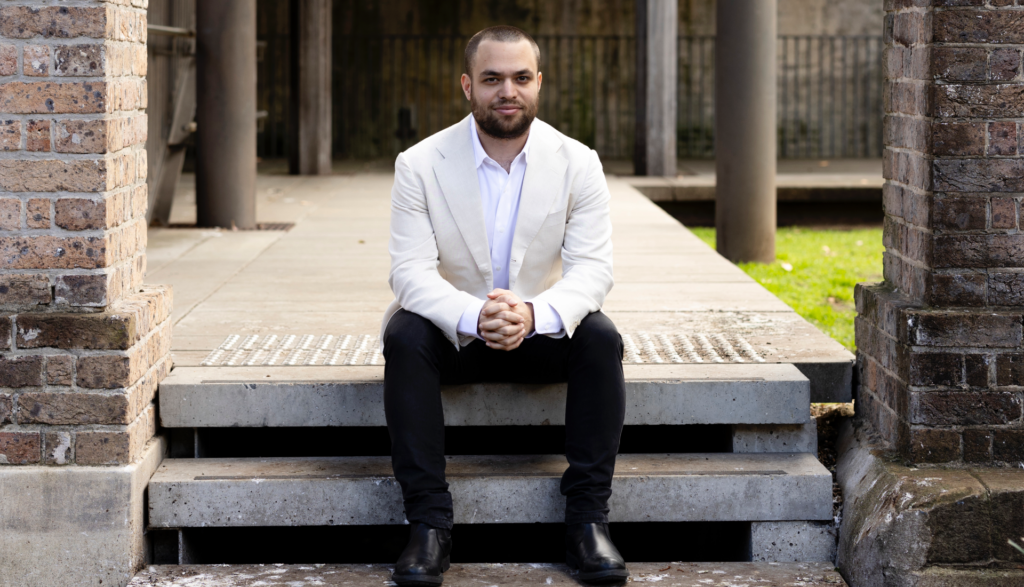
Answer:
(362, 349)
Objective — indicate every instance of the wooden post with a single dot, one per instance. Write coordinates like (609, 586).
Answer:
(309, 149)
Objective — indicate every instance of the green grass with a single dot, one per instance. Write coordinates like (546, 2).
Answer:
(815, 271)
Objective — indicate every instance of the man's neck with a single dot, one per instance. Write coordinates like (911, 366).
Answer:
(503, 151)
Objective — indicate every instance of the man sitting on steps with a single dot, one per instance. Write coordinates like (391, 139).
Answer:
(501, 258)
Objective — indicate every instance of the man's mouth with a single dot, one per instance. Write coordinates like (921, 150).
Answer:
(507, 110)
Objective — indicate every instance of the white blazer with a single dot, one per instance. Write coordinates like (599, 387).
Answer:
(440, 257)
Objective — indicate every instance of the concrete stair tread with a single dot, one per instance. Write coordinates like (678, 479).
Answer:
(353, 396)
(313, 491)
(464, 575)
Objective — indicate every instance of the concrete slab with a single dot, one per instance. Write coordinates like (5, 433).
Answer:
(786, 542)
(192, 397)
(329, 275)
(748, 438)
(505, 575)
(71, 526)
(188, 493)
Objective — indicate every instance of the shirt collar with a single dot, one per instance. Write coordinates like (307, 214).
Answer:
(478, 150)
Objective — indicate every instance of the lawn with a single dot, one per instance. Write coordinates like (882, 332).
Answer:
(815, 271)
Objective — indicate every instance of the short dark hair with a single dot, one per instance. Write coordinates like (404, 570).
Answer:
(502, 33)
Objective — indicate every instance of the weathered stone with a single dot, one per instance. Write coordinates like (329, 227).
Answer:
(57, 448)
(6, 408)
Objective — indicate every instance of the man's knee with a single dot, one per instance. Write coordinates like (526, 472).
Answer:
(598, 332)
(409, 332)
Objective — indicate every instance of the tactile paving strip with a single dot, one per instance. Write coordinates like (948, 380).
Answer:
(362, 349)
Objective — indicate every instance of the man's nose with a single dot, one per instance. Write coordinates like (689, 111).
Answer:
(507, 89)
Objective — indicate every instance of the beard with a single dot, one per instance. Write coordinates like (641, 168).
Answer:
(501, 127)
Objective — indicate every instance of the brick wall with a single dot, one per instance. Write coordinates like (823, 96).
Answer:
(83, 343)
(940, 346)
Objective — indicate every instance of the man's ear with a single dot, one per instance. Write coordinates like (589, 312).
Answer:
(540, 78)
(467, 85)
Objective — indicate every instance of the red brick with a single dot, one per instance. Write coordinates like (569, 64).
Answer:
(60, 369)
(81, 214)
(36, 60)
(979, 175)
(906, 132)
(964, 329)
(1006, 289)
(55, 252)
(936, 369)
(21, 290)
(979, 26)
(6, 332)
(8, 59)
(958, 138)
(117, 447)
(6, 408)
(111, 330)
(84, 136)
(1010, 370)
(49, 97)
(21, 371)
(1004, 213)
(979, 101)
(22, 22)
(80, 60)
(958, 64)
(10, 135)
(38, 132)
(1002, 138)
(70, 408)
(49, 175)
(37, 213)
(953, 212)
(957, 289)
(906, 97)
(978, 446)
(911, 28)
(98, 289)
(933, 445)
(911, 169)
(974, 408)
(1008, 445)
(20, 448)
(1004, 64)
(10, 214)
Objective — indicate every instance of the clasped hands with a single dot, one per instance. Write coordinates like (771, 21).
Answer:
(505, 320)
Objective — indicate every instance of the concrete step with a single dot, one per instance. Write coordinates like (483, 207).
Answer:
(191, 493)
(507, 575)
(198, 397)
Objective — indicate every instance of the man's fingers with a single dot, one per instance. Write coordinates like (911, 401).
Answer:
(491, 309)
(504, 334)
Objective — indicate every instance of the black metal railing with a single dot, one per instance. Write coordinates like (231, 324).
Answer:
(393, 90)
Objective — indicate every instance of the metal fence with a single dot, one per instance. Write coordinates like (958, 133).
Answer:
(393, 90)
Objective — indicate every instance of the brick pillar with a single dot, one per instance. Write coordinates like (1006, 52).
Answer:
(82, 342)
(941, 358)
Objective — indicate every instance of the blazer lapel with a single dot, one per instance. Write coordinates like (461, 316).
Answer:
(542, 184)
(457, 177)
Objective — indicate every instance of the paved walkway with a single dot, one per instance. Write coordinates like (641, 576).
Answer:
(328, 276)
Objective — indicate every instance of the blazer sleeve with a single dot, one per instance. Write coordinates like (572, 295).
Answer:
(586, 252)
(414, 277)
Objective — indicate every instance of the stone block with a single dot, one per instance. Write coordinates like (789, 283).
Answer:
(10, 135)
(50, 542)
(19, 290)
(783, 542)
(21, 370)
(20, 448)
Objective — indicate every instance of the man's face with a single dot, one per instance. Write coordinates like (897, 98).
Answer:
(504, 88)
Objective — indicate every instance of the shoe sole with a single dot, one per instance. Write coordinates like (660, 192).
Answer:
(425, 581)
(609, 576)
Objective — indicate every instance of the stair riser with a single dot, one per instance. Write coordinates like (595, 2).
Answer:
(496, 500)
(361, 404)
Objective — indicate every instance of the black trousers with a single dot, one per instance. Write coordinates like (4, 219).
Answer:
(419, 359)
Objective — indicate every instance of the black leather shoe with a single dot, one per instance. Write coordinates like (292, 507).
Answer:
(589, 548)
(425, 558)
